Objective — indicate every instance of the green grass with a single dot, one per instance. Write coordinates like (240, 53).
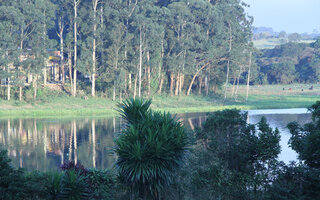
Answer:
(272, 42)
(261, 97)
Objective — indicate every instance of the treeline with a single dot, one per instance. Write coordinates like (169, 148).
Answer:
(127, 47)
(289, 63)
(225, 159)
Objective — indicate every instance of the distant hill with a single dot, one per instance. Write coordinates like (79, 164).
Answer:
(269, 30)
(267, 38)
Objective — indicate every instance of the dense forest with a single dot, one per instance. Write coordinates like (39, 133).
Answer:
(129, 48)
(123, 48)
(289, 63)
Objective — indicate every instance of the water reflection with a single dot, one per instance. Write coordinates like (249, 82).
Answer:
(44, 144)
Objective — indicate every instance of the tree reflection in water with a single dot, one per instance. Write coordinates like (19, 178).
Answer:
(44, 144)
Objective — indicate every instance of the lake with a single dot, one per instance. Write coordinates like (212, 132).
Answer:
(44, 144)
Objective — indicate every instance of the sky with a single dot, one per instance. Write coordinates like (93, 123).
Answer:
(289, 15)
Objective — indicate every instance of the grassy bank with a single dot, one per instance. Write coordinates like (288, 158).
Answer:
(261, 97)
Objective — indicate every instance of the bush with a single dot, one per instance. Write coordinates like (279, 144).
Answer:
(12, 182)
(232, 159)
(101, 184)
(73, 185)
(306, 140)
(78, 168)
(53, 184)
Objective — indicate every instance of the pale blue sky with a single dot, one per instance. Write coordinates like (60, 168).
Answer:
(288, 15)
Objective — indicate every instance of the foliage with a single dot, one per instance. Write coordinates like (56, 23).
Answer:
(168, 40)
(288, 63)
(71, 165)
(53, 185)
(150, 149)
(73, 185)
(235, 159)
(12, 182)
(305, 140)
(75, 182)
(101, 184)
(295, 181)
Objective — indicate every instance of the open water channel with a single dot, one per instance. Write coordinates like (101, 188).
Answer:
(44, 144)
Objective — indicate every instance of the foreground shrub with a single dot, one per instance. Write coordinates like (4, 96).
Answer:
(12, 182)
(150, 149)
(73, 185)
(78, 168)
(53, 185)
(102, 184)
(295, 181)
(231, 159)
(74, 182)
(305, 140)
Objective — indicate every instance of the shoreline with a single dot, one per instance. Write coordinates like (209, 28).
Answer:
(265, 97)
(112, 112)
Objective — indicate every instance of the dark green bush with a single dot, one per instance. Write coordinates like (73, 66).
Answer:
(231, 159)
(73, 186)
(12, 182)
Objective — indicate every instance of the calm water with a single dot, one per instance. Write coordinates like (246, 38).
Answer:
(44, 144)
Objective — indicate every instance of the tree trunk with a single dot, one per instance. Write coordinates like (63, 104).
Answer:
(35, 87)
(125, 83)
(160, 76)
(194, 77)
(181, 83)
(160, 85)
(140, 63)
(74, 82)
(248, 81)
(215, 88)
(130, 82)
(20, 93)
(70, 71)
(63, 80)
(233, 85)
(135, 87)
(238, 81)
(93, 81)
(45, 76)
(227, 80)
(206, 85)
(149, 74)
(114, 92)
(62, 51)
(171, 83)
(200, 85)
(8, 90)
(75, 7)
(177, 85)
(149, 81)
(228, 64)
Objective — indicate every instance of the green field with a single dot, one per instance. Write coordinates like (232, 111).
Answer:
(272, 42)
(261, 97)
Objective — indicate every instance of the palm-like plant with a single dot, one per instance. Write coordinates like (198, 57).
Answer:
(150, 148)
(73, 186)
(53, 185)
